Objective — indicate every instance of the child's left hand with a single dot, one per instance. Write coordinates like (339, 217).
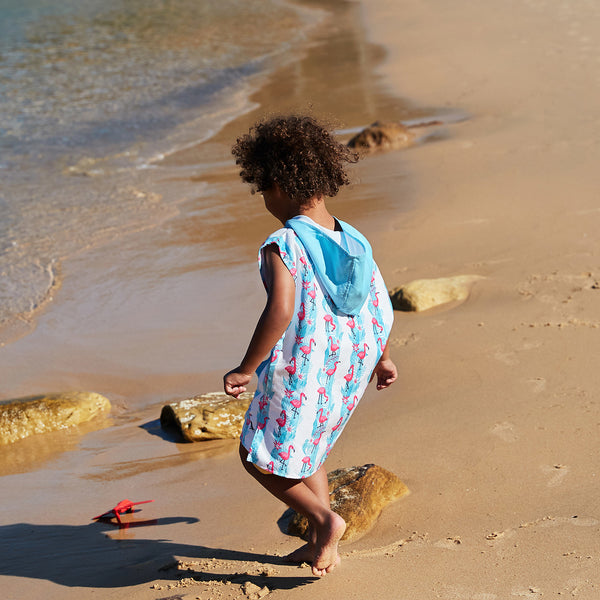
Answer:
(235, 382)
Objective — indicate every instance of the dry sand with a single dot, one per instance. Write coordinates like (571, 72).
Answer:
(494, 423)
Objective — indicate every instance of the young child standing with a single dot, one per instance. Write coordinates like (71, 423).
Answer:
(324, 328)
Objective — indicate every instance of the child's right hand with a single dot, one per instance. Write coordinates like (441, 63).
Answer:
(235, 382)
(386, 373)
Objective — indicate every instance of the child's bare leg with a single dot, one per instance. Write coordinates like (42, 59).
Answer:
(317, 482)
(329, 526)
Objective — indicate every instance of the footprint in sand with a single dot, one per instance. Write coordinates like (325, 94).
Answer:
(557, 472)
(531, 592)
(497, 536)
(450, 543)
(507, 357)
(538, 384)
(390, 549)
(505, 431)
(409, 339)
(461, 593)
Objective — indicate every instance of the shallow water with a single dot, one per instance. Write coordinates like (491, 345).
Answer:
(91, 94)
(160, 313)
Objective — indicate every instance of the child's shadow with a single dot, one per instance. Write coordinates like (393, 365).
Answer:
(84, 556)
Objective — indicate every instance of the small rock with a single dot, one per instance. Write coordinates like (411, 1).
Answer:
(207, 417)
(22, 417)
(358, 495)
(250, 588)
(382, 136)
(423, 294)
(265, 591)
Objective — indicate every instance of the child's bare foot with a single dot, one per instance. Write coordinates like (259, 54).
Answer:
(326, 550)
(304, 554)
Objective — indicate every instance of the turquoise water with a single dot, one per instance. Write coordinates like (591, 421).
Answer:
(92, 94)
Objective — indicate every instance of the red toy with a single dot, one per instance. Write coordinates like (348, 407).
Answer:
(125, 506)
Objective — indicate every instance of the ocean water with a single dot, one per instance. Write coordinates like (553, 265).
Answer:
(92, 94)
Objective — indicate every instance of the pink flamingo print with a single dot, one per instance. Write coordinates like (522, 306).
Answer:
(291, 368)
(329, 323)
(352, 324)
(249, 422)
(322, 394)
(317, 441)
(361, 355)
(380, 342)
(293, 271)
(271, 467)
(337, 425)
(377, 328)
(312, 294)
(283, 456)
(296, 404)
(331, 371)
(351, 406)
(274, 357)
(323, 418)
(302, 312)
(262, 425)
(306, 350)
(348, 376)
(333, 347)
(307, 464)
(281, 421)
(376, 300)
(262, 403)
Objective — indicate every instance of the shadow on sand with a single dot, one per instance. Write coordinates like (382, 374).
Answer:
(88, 556)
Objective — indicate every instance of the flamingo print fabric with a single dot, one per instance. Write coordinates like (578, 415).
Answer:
(313, 379)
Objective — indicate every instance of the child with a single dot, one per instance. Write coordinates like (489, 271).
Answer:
(324, 328)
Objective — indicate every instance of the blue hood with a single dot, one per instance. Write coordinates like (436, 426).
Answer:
(345, 276)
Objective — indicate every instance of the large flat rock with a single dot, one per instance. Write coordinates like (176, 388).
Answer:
(22, 417)
(358, 495)
(207, 417)
(423, 294)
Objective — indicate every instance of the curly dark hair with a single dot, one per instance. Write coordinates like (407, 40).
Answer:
(297, 153)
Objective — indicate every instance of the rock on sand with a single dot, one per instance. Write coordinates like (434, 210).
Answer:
(207, 417)
(22, 417)
(358, 495)
(423, 294)
(382, 136)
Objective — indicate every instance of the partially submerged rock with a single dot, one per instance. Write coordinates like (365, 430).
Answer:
(22, 417)
(423, 294)
(382, 136)
(358, 495)
(207, 417)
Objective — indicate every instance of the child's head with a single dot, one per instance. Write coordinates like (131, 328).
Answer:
(296, 153)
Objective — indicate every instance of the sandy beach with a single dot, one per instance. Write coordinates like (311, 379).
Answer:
(494, 423)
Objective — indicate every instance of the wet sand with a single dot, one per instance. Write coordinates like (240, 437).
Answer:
(494, 422)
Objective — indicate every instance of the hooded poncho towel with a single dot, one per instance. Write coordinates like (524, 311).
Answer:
(344, 272)
(312, 380)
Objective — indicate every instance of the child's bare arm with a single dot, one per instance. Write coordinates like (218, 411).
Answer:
(385, 370)
(273, 321)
